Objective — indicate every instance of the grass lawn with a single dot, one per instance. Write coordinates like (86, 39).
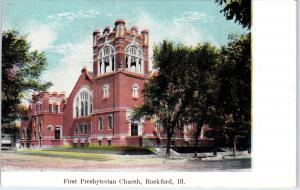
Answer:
(68, 154)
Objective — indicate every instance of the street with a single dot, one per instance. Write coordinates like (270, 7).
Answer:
(17, 160)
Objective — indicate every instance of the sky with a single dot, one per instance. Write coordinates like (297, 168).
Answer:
(63, 28)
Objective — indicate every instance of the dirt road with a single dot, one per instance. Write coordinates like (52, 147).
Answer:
(14, 160)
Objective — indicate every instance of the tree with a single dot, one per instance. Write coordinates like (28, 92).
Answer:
(201, 108)
(21, 71)
(239, 10)
(166, 95)
(234, 91)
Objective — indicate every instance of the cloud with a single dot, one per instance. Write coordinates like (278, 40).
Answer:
(41, 37)
(180, 32)
(193, 16)
(74, 15)
(66, 73)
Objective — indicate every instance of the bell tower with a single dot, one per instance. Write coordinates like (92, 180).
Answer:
(120, 49)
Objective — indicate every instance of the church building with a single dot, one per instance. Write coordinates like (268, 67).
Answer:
(98, 110)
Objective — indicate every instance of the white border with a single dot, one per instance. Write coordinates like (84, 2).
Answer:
(274, 114)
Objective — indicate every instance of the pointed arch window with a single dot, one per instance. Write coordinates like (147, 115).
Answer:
(107, 59)
(83, 103)
(134, 59)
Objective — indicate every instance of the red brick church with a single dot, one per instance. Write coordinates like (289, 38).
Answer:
(98, 110)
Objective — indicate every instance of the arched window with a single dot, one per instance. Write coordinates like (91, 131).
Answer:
(76, 129)
(107, 59)
(110, 122)
(83, 102)
(84, 128)
(134, 59)
(135, 91)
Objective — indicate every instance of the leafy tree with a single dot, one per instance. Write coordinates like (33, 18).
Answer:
(234, 91)
(201, 108)
(239, 10)
(21, 71)
(166, 95)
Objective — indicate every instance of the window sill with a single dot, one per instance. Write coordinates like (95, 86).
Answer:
(135, 98)
(106, 98)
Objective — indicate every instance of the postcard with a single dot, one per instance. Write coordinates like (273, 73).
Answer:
(147, 94)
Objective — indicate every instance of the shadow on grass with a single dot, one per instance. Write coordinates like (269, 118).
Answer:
(108, 150)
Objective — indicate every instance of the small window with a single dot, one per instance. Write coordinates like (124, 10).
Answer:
(135, 91)
(99, 142)
(57, 108)
(109, 142)
(35, 120)
(100, 123)
(49, 128)
(35, 134)
(41, 108)
(41, 127)
(105, 91)
(50, 108)
(23, 134)
(110, 122)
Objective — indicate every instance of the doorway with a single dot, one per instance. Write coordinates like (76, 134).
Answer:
(134, 129)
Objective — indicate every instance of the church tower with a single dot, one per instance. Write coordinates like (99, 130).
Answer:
(120, 69)
(120, 49)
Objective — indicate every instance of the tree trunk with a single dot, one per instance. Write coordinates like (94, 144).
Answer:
(197, 134)
(215, 148)
(168, 152)
(234, 145)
